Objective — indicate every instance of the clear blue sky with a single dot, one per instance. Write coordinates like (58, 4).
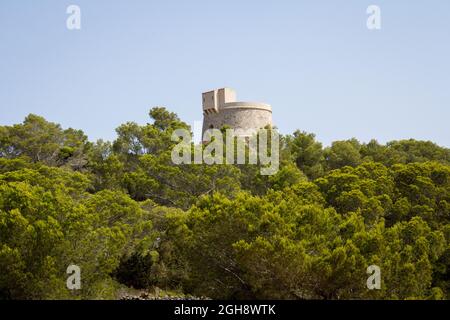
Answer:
(314, 61)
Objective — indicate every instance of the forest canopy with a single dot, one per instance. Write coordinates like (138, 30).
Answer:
(130, 218)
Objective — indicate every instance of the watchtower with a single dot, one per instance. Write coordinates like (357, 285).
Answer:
(220, 108)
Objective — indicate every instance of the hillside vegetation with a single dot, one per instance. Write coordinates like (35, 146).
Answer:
(127, 216)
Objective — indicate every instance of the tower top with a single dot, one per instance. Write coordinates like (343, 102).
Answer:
(225, 98)
(216, 99)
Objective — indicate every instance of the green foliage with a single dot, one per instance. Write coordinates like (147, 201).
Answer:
(307, 153)
(343, 153)
(44, 142)
(405, 151)
(48, 221)
(128, 216)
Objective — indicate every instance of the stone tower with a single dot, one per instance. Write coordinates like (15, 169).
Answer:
(220, 108)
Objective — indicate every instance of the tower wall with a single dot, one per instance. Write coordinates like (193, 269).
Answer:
(245, 121)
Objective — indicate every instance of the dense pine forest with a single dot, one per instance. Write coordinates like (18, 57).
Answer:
(132, 220)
